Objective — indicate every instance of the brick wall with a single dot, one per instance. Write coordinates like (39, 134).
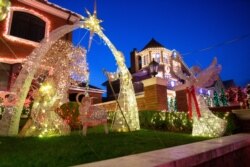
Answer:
(154, 98)
(181, 101)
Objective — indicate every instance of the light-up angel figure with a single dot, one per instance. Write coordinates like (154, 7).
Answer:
(45, 121)
(126, 116)
(129, 120)
(205, 123)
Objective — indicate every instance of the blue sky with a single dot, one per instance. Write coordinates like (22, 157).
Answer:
(185, 25)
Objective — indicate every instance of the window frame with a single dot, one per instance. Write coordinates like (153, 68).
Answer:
(19, 39)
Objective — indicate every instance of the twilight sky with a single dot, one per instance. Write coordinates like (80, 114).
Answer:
(198, 29)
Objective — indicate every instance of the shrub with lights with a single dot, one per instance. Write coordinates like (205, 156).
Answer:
(69, 112)
(179, 121)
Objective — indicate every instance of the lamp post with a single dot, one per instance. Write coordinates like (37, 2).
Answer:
(153, 67)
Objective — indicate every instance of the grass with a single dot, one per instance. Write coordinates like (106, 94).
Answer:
(76, 149)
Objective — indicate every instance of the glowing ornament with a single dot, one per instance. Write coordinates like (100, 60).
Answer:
(4, 9)
(92, 23)
(205, 123)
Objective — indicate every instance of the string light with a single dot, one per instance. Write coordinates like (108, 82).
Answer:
(37, 57)
(53, 92)
(126, 97)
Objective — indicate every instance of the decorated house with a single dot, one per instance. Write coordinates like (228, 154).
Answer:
(27, 23)
(167, 64)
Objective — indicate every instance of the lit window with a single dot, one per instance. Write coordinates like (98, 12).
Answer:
(156, 57)
(147, 60)
(176, 66)
(165, 58)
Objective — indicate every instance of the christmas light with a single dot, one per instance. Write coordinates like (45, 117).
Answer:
(12, 61)
(62, 57)
(126, 97)
(205, 124)
(38, 57)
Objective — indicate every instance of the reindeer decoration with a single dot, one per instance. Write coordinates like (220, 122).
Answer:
(91, 115)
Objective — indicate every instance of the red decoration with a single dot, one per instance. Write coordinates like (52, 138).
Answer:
(191, 95)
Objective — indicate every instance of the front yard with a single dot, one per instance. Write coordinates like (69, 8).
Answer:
(76, 149)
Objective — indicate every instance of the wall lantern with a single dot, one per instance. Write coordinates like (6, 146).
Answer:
(153, 67)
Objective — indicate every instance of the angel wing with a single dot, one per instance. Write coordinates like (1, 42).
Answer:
(208, 76)
(195, 70)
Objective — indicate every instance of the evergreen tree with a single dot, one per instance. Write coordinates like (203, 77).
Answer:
(223, 98)
(175, 104)
(171, 105)
(208, 101)
(216, 99)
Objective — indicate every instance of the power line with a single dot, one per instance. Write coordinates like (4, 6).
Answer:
(237, 39)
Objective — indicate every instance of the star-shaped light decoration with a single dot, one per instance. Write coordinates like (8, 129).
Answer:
(92, 23)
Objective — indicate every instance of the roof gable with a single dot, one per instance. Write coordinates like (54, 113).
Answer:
(153, 44)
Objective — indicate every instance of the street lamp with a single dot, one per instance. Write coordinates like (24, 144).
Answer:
(153, 68)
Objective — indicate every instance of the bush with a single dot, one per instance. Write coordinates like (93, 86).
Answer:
(69, 112)
(231, 121)
(152, 119)
(179, 121)
(170, 121)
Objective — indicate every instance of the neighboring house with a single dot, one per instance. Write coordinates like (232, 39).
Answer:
(28, 22)
(140, 60)
(170, 63)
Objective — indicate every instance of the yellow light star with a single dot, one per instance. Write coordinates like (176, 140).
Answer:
(92, 23)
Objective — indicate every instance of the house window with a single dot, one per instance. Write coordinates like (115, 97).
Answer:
(147, 59)
(156, 57)
(165, 58)
(5, 70)
(27, 26)
(139, 62)
(176, 66)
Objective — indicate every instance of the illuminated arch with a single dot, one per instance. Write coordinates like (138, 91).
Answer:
(23, 82)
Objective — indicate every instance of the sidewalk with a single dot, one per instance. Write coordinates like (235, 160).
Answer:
(181, 156)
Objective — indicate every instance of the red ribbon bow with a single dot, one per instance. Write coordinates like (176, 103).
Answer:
(191, 95)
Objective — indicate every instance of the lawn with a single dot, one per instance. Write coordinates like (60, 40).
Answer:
(76, 149)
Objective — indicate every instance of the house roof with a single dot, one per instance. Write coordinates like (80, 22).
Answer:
(229, 83)
(153, 44)
(83, 84)
(54, 9)
(59, 7)
(82, 87)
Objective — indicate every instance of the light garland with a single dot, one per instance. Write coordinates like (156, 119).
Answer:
(12, 61)
(21, 40)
